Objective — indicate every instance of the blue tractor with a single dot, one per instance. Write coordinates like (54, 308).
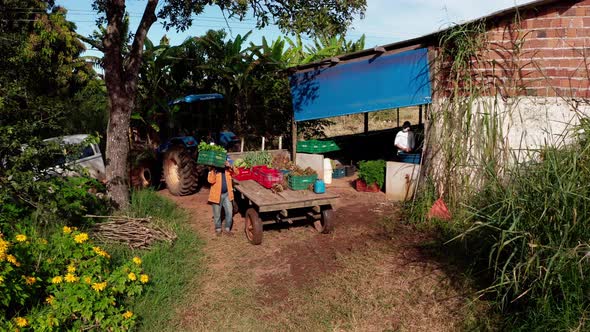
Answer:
(194, 118)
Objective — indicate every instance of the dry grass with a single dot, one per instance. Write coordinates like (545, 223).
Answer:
(353, 280)
(354, 124)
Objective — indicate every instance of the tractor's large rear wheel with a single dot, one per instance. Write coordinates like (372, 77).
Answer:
(180, 172)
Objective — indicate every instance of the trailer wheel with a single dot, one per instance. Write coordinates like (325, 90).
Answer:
(326, 223)
(253, 227)
(144, 175)
(180, 172)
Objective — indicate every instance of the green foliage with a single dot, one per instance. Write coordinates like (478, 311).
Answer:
(64, 283)
(372, 171)
(172, 268)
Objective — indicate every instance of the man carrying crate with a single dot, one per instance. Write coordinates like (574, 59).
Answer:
(221, 195)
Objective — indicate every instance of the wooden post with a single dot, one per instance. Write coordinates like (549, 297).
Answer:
(242, 145)
(366, 122)
(398, 117)
(294, 140)
(280, 142)
(420, 114)
(263, 141)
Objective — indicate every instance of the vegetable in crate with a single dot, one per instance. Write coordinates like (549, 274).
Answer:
(209, 147)
(281, 161)
(241, 163)
(258, 158)
(372, 171)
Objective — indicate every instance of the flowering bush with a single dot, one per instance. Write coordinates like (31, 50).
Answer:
(64, 283)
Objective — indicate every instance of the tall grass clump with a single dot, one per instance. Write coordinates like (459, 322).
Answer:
(533, 230)
(173, 269)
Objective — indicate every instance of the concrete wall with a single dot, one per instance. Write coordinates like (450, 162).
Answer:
(401, 180)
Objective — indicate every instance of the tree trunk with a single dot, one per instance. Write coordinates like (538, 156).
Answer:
(117, 151)
(121, 82)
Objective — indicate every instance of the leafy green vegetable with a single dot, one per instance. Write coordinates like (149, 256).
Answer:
(372, 171)
(256, 158)
(203, 146)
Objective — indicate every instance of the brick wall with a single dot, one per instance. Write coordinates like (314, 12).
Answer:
(541, 52)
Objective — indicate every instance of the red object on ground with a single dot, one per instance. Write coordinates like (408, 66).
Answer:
(243, 174)
(360, 185)
(439, 210)
(267, 177)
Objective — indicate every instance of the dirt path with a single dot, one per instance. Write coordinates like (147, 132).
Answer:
(359, 278)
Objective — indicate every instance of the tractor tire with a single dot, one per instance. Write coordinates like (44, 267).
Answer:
(180, 172)
(145, 175)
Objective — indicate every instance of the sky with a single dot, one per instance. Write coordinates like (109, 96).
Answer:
(385, 21)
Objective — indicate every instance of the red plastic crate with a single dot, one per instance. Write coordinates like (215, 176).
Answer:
(267, 177)
(243, 174)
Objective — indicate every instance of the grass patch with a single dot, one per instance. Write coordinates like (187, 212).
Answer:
(172, 268)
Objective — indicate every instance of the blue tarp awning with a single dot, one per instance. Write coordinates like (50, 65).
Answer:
(382, 82)
(195, 98)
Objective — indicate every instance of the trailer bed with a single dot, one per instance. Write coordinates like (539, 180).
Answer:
(268, 201)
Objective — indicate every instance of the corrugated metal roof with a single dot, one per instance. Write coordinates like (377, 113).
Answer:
(426, 38)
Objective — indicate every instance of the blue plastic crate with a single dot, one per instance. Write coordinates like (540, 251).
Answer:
(411, 158)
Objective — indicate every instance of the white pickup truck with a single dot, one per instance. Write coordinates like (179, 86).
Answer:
(90, 158)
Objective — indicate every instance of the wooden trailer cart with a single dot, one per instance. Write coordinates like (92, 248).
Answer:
(259, 205)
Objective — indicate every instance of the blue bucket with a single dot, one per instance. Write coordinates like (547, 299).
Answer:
(319, 187)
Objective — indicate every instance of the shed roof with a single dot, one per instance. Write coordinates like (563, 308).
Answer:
(426, 39)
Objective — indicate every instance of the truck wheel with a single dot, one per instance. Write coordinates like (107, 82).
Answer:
(326, 223)
(253, 227)
(180, 172)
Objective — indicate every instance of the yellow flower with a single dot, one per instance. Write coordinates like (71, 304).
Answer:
(137, 260)
(71, 278)
(144, 278)
(99, 286)
(71, 268)
(30, 280)
(132, 276)
(12, 259)
(49, 299)
(67, 230)
(21, 238)
(21, 322)
(56, 280)
(101, 252)
(3, 249)
(42, 241)
(128, 314)
(87, 280)
(81, 238)
(1, 280)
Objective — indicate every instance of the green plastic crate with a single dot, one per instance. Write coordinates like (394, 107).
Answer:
(212, 158)
(301, 182)
(315, 146)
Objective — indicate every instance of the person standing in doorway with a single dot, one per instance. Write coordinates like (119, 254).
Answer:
(404, 140)
(221, 195)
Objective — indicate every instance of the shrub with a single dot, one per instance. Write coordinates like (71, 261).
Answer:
(65, 283)
(372, 171)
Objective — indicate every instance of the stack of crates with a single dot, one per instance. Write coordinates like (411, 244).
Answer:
(315, 146)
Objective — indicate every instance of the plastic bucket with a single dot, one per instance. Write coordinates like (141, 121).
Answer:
(319, 187)
(327, 171)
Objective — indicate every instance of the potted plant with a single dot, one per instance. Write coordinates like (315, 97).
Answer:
(371, 175)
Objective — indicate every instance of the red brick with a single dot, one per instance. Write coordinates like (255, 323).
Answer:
(541, 23)
(569, 12)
